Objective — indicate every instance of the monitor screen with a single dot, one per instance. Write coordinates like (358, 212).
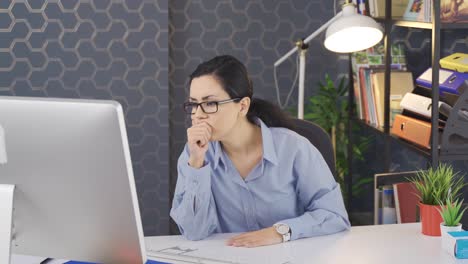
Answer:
(75, 196)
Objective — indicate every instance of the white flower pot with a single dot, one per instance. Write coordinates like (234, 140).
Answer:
(444, 229)
(447, 243)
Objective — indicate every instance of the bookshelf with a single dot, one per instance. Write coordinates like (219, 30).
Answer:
(442, 145)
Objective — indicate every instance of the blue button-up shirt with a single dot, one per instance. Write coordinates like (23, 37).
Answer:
(291, 184)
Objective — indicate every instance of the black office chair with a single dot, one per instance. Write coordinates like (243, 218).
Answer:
(319, 138)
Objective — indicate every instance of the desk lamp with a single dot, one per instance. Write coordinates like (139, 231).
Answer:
(346, 32)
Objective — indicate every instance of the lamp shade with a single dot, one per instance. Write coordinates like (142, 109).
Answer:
(352, 32)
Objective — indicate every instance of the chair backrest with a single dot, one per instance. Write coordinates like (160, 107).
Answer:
(319, 138)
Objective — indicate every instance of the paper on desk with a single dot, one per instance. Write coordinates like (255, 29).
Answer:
(21, 259)
(213, 250)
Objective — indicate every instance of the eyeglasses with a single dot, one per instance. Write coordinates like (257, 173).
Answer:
(209, 107)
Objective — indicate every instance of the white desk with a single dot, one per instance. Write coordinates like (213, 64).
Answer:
(402, 243)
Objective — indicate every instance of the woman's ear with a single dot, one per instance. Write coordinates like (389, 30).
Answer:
(244, 105)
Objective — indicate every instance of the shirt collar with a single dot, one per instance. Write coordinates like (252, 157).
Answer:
(218, 155)
(269, 152)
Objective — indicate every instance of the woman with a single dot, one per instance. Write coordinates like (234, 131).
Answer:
(244, 170)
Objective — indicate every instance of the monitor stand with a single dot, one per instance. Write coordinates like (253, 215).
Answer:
(6, 220)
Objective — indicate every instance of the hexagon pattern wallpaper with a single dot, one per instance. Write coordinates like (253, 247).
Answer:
(99, 49)
(141, 52)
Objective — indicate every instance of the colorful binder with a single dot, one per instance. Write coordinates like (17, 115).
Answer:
(457, 62)
(413, 130)
(449, 81)
(423, 105)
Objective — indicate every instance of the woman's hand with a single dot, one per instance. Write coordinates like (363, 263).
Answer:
(198, 137)
(263, 237)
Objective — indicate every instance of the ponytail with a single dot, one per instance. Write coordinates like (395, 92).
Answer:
(269, 113)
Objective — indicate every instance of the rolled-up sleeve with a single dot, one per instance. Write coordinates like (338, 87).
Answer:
(193, 206)
(319, 194)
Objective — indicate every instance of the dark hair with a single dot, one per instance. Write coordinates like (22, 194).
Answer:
(233, 77)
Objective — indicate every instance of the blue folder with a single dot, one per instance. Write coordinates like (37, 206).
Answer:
(453, 84)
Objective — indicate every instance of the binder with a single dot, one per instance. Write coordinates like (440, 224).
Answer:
(423, 105)
(406, 202)
(389, 215)
(413, 130)
(449, 98)
(457, 62)
(449, 81)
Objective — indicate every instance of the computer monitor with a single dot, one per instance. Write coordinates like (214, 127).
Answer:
(70, 165)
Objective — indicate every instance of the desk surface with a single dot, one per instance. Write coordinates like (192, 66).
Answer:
(401, 243)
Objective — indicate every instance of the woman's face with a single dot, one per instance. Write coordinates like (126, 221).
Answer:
(207, 89)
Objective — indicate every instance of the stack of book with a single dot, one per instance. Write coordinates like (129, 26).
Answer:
(368, 75)
(377, 8)
(414, 123)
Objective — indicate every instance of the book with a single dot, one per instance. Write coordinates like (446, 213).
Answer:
(406, 202)
(355, 3)
(414, 10)
(401, 82)
(373, 58)
(456, 62)
(451, 11)
(449, 81)
(426, 12)
(362, 7)
(454, 11)
(377, 8)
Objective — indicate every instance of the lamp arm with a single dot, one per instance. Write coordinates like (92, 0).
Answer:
(309, 38)
(323, 27)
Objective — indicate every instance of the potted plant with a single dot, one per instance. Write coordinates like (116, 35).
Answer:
(436, 185)
(452, 213)
(329, 110)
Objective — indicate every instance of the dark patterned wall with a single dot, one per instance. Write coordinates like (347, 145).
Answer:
(99, 49)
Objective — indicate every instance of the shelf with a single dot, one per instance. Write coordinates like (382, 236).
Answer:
(412, 24)
(415, 148)
(454, 25)
(367, 124)
(420, 150)
(424, 25)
